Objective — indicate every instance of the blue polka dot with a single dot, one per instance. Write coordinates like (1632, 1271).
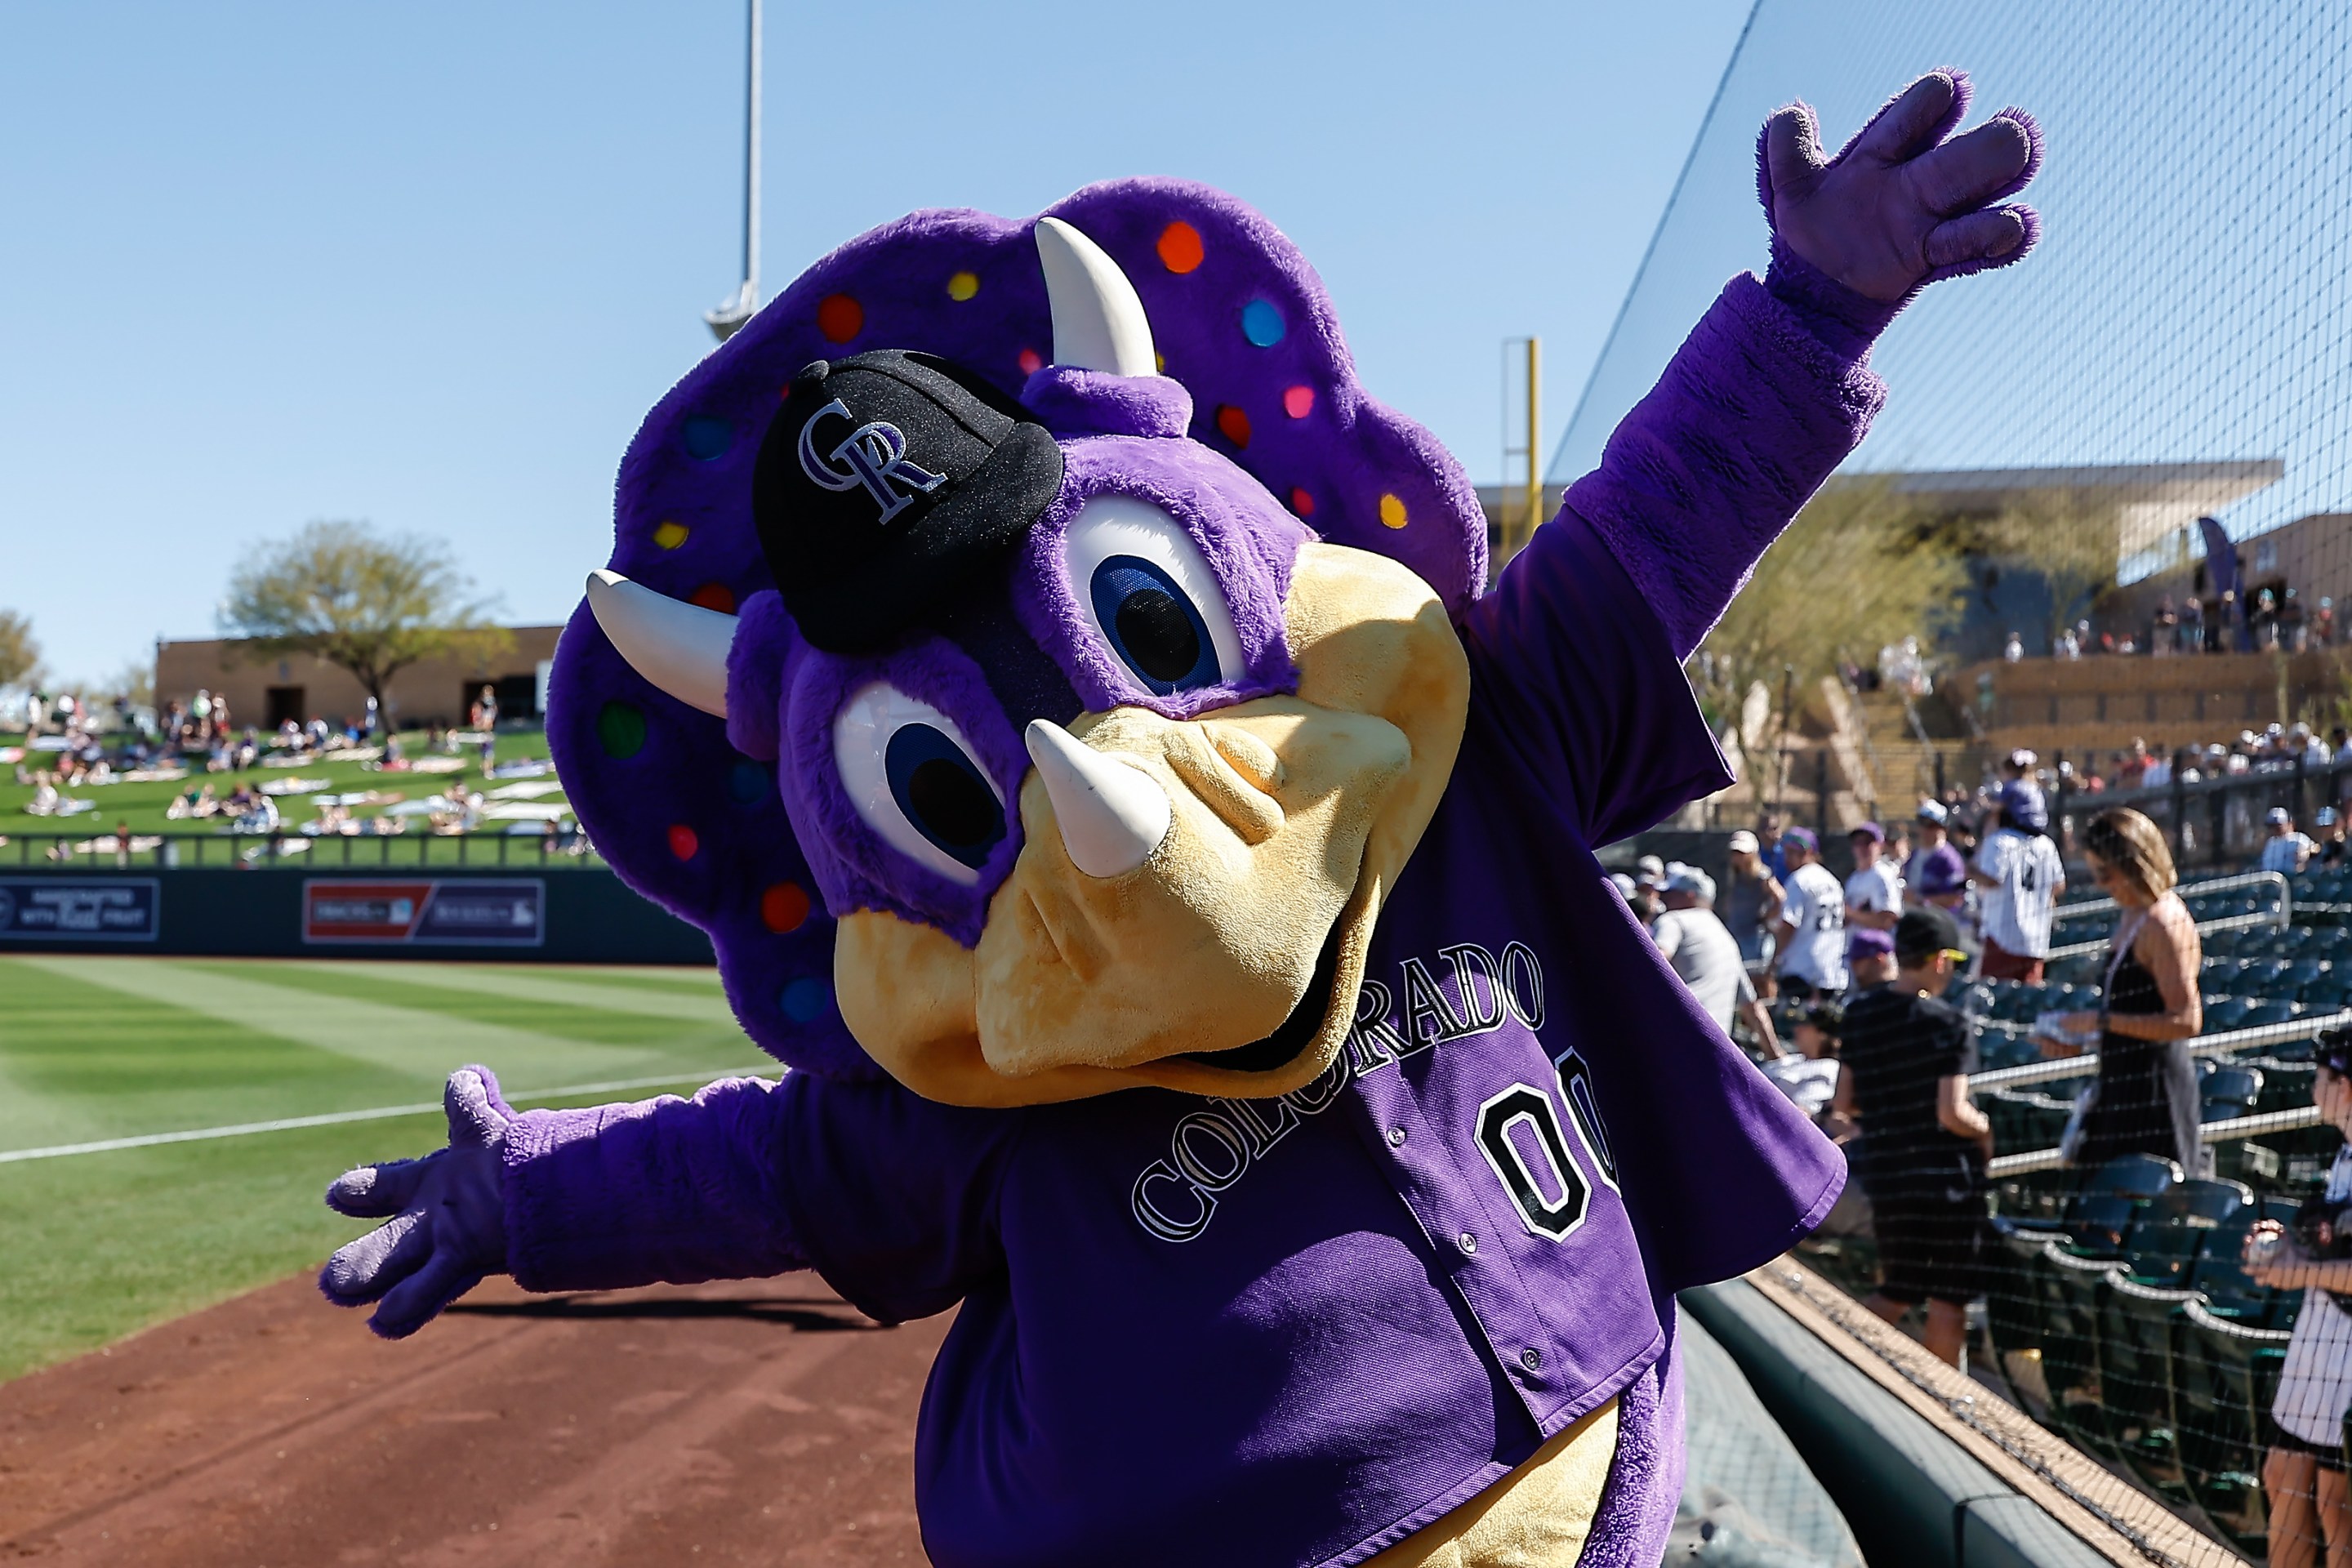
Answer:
(1261, 323)
(747, 782)
(807, 999)
(707, 439)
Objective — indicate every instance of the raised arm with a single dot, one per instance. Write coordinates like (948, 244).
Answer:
(1772, 389)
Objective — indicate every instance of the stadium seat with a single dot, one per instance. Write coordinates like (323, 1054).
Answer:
(2226, 1013)
(2224, 1373)
(2063, 1289)
(2134, 1350)
(2272, 1012)
(2164, 1247)
(2231, 1091)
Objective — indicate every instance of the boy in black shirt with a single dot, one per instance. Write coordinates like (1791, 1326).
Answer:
(1907, 1056)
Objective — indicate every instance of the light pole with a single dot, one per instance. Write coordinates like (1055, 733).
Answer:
(731, 314)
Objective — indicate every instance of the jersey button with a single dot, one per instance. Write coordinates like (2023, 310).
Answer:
(1396, 1137)
(1467, 1243)
(1531, 1359)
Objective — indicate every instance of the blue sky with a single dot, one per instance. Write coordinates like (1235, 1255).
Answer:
(428, 264)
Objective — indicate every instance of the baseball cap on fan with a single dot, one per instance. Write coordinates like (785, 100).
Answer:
(884, 483)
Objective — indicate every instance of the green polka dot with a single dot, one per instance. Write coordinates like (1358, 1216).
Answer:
(621, 729)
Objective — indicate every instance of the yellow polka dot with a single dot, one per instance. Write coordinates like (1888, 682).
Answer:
(963, 286)
(670, 534)
(1159, 362)
(1392, 511)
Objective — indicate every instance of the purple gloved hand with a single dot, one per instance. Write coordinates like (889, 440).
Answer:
(1899, 206)
(445, 1216)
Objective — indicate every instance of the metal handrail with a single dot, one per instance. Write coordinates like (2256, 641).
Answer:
(340, 851)
(2211, 1132)
(2187, 890)
(2305, 1027)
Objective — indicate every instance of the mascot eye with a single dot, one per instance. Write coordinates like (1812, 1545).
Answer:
(1147, 591)
(912, 777)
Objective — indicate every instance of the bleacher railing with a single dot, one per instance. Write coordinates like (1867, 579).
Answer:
(89, 852)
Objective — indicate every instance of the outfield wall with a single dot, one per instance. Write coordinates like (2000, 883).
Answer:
(575, 915)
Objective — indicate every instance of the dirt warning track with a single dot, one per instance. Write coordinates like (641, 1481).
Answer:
(763, 1423)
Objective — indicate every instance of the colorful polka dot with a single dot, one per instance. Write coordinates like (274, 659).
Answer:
(784, 906)
(683, 841)
(747, 782)
(1298, 402)
(806, 1000)
(1261, 323)
(708, 438)
(1392, 511)
(716, 596)
(670, 534)
(963, 286)
(620, 730)
(1301, 502)
(1029, 361)
(840, 318)
(1180, 247)
(1232, 425)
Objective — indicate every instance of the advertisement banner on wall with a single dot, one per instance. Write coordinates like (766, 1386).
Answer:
(456, 912)
(66, 909)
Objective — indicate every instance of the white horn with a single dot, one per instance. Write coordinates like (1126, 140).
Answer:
(1112, 816)
(678, 646)
(1098, 323)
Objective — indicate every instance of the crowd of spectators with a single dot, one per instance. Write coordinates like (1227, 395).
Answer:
(2276, 621)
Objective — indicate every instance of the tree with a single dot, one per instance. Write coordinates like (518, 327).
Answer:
(2067, 539)
(370, 604)
(20, 656)
(1861, 567)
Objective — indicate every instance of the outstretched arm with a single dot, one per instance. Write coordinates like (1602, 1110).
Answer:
(664, 1190)
(1772, 390)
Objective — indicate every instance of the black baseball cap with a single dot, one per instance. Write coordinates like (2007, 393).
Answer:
(1924, 933)
(883, 483)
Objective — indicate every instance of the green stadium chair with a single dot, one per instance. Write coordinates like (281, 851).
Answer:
(2224, 1373)
(2230, 1091)
(2065, 1288)
(2135, 1350)
(2164, 1247)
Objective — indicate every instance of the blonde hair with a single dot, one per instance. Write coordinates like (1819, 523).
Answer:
(2132, 844)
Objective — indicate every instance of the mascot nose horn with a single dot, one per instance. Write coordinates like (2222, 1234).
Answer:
(680, 647)
(1099, 321)
(1112, 816)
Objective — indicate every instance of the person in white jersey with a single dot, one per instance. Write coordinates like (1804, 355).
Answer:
(2303, 1474)
(1873, 892)
(1701, 950)
(2019, 869)
(1811, 928)
(2285, 851)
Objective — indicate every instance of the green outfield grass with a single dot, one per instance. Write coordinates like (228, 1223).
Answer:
(143, 805)
(95, 1245)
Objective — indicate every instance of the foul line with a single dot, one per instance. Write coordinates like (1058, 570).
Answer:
(284, 1124)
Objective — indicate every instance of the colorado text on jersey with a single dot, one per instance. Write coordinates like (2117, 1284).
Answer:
(1211, 1149)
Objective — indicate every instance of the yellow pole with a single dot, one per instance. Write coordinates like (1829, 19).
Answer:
(1535, 420)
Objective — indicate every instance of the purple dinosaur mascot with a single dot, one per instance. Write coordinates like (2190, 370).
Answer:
(1071, 707)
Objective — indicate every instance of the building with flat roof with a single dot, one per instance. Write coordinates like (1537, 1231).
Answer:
(267, 690)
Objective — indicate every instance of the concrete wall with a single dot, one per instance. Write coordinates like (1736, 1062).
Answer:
(2104, 703)
(433, 692)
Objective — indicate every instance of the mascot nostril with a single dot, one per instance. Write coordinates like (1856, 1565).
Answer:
(1166, 868)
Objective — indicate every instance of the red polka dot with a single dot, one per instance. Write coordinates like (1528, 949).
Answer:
(1180, 247)
(682, 841)
(840, 318)
(1232, 425)
(1301, 502)
(784, 906)
(1030, 363)
(1298, 402)
(714, 596)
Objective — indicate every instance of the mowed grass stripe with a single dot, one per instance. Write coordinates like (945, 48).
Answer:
(81, 1060)
(419, 1044)
(706, 1005)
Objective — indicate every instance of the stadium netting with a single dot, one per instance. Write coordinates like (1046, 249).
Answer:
(2175, 352)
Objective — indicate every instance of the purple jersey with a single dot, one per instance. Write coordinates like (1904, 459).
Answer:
(1339, 1314)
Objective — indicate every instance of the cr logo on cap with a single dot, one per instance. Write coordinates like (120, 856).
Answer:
(874, 455)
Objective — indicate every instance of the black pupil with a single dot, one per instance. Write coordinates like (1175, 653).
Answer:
(1158, 633)
(953, 804)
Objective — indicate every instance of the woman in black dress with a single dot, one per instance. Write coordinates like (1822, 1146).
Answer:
(2145, 1097)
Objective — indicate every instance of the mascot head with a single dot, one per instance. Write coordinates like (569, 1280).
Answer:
(1029, 655)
